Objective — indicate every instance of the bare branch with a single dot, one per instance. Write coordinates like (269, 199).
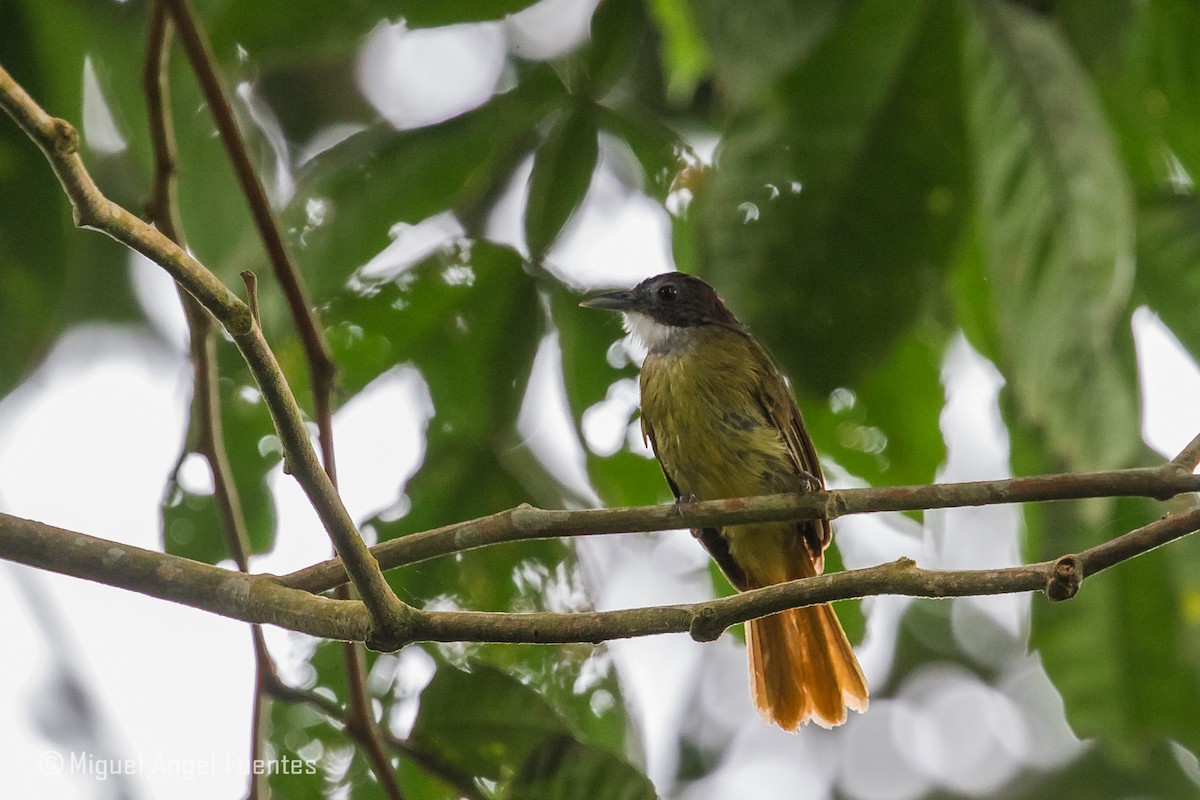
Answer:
(206, 396)
(1189, 457)
(260, 598)
(59, 141)
(526, 522)
(199, 52)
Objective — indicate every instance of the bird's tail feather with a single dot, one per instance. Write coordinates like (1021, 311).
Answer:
(802, 668)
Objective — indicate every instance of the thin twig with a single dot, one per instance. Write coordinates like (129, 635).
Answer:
(206, 398)
(199, 53)
(526, 522)
(59, 141)
(1189, 457)
(320, 366)
(451, 775)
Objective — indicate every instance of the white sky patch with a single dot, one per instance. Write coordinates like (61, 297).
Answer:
(1170, 384)
(616, 238)
(100, 130)
(544, 422)
(410, 245)
(550, 28)
(421, 77)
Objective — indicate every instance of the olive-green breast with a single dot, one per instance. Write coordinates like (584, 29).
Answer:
(703, 399)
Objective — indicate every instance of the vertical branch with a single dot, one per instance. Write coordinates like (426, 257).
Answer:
(321, 367)
(206, 400)
(323, 370)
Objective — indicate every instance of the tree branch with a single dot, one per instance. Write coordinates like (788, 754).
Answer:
(206, 398)
(261, 598)
(199, 52)
(526, 522)
(59, 142)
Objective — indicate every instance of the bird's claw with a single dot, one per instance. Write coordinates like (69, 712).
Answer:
(811, 482)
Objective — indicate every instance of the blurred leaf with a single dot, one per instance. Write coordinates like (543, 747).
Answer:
(494, 726)
(270, 32)
(431, 13)
(193, 526)
(1164, 62)
(685, 54)
(746, 59)
(563, 769)
(886, 430)
(350, 199)
(1057, 227)
(661, 152)
(618, 31)
(1168, 275)
(1122, 653)
(832, 213)
(484, 720)
(562, 172)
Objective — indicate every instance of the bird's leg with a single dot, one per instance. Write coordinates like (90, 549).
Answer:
(683, 500)
(811, 482)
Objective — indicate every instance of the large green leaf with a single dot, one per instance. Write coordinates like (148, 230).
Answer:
(833, 211)
(564, 769)
(494, 726)
(1056, 220)
(562, 172)
(1168, 276)
(352, 200)
(484, 720)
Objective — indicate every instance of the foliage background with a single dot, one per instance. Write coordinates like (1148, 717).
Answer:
(894, 196)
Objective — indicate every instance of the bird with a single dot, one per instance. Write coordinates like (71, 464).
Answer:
(723, 423)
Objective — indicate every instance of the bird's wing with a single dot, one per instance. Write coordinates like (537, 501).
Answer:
(711, 538)
(779, 404)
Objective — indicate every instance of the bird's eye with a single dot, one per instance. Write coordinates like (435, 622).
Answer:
(667, 293)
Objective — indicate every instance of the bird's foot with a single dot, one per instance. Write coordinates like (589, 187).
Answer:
(684, 500)
(811, 482)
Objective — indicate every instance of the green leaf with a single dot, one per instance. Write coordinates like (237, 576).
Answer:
(1056, 219)
(350, 199)
(562, 172)
(1168, 276)
(886, 430)
(484, 720)
(1123, 653)
(563, 769)
(432, 13)
(273, 32)
(618, 31)
(746, 59)
(193, 526)
(832, 212)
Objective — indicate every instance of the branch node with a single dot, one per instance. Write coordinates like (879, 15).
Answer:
(251, 281)
(1065, 578)
(706, 626)
(525, 517)
(904, 564)
(63, 137)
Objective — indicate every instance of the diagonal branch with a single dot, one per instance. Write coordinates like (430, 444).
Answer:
(199, 52)
(59, 142)
(163, 210)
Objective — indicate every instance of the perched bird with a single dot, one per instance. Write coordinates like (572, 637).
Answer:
(723, 423)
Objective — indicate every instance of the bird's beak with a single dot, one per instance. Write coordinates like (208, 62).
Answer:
(612, 301)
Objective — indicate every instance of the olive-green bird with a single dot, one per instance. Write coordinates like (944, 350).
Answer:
(723, 423)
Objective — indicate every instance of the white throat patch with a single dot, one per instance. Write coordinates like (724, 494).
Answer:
(645, 330)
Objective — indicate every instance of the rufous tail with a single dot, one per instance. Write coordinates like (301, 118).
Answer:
(802, 668)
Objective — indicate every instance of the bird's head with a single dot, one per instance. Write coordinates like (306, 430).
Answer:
(658, 308)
